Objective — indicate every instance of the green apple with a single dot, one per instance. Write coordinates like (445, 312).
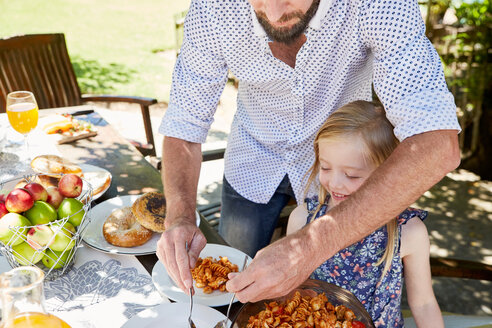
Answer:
(57, 260)
(73, 208)
(11, 223)
(26, 255)
(63, 236)
(40, 213)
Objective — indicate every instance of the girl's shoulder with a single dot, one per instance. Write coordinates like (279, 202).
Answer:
(409, 214)
(297, 219)
(414, 239)
(299, 211)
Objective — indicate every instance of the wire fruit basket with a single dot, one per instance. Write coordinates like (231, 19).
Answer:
(51, 246)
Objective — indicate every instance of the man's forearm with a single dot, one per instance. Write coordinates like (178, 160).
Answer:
(181, 161)
(416, 165)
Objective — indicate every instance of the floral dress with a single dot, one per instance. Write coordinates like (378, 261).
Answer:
(352, 268)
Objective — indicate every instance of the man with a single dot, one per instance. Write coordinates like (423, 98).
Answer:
(297, 61)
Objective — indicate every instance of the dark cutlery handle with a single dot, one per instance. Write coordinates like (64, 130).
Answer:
(82, 112)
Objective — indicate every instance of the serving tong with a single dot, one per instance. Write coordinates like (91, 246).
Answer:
(223, 323)
(190, 322)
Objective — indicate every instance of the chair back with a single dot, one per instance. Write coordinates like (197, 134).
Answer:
(38, 63)
(179, 19)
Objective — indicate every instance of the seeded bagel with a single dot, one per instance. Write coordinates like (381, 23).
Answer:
(150, 211)
(122, 229)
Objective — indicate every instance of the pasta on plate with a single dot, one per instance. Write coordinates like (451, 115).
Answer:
(211, 274)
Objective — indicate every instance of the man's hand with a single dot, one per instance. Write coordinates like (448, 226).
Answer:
(275, 270)
(172, 253)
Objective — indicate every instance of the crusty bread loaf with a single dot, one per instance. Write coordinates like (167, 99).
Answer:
(53, 164)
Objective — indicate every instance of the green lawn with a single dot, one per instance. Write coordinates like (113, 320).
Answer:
(116, 46)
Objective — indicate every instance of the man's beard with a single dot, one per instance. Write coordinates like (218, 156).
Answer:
(288, 34)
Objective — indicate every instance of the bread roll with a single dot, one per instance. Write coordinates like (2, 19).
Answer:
(53, 164)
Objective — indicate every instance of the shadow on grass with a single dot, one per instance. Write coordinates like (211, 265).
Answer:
(96, 78)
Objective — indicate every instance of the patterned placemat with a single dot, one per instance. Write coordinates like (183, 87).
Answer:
(100, 290)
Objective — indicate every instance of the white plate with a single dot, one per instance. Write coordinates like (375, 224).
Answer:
(93, 235)
(175, 315)
(96, 176)
(166, 286)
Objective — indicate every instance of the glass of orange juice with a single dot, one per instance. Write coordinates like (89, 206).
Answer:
(22, 295)
(22, 111)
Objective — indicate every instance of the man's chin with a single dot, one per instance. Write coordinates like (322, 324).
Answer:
(285, 35)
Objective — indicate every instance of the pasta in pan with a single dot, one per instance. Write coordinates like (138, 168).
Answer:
(304, 312)
(211, 274)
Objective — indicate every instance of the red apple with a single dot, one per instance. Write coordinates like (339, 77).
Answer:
(37, 191)
(19, 200)
(70, 185)
(3, 209)
(40, 236)
(54, 197)
(2, 198)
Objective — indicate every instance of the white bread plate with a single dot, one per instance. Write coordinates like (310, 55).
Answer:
(99, 178)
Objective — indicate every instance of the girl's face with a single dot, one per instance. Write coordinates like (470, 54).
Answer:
(342, 167)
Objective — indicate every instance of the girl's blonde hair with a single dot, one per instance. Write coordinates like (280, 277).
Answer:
(367, 121)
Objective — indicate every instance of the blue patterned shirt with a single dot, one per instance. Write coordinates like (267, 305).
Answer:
(350, 45)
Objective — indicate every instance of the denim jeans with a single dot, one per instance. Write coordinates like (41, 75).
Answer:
(249, 226)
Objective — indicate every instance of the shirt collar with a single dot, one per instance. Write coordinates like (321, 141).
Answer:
(314, 23)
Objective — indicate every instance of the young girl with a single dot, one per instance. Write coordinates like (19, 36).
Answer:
(351, 144)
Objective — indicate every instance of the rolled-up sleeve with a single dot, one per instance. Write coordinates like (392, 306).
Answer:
(408, 75)
(198, 80)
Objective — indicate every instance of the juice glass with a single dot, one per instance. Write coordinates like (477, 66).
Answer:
(22, 294)
(22, 111)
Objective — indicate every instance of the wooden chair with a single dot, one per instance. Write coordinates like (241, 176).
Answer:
(455, 268)
(40, 63)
